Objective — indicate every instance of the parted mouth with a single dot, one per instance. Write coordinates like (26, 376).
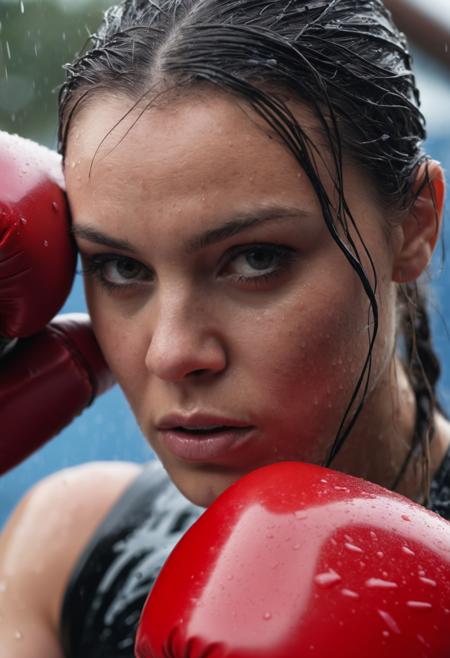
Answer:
(206, 430)
(200, 424)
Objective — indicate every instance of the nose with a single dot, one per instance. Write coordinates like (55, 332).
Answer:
(185, 344)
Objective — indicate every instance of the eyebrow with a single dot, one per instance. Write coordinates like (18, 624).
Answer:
(96, 236)
(239, 223)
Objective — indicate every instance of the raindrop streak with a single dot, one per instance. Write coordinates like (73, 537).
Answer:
(389, 621)
(327, 579)
(22, 7)
(419, 605)
(353, 548)
(379, 582)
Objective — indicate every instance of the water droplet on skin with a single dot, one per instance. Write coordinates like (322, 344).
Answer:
(428, 581)
(353, 548)
(408, 551)
(267, 616)
(18, 635)
(379, 582)
(300, 515)
(55, 206)
(373, 535)
(327, 579)
(3, 586)
(419, 605)
(341, 489)
(380, 554)
(349, 593)
(296, 547)
(45, 243)
(23, 221)
(389, 621)
(405, 518)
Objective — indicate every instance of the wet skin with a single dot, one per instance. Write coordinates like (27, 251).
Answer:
(264, 325)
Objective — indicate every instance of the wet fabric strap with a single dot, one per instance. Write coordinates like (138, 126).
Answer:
(111, 581)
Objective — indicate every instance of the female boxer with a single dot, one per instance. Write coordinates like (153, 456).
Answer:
(254, 209)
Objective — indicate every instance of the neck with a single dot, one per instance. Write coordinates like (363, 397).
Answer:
(381, 439)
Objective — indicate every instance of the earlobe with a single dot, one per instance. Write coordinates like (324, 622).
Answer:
(421, 226)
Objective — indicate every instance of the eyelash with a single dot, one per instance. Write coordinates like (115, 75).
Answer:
(284, 256)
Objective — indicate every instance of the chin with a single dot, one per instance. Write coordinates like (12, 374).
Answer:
(202, 487)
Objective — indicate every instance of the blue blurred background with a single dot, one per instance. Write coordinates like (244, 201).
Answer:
(44, 34)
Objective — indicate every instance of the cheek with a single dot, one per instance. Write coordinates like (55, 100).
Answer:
(120, 340)
(309, 354)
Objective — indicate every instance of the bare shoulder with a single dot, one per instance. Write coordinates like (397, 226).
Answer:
(47, 532)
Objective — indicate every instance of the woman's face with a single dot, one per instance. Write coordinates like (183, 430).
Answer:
(232, 321)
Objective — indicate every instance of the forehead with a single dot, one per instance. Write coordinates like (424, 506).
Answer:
(200, 130)
(199, 156)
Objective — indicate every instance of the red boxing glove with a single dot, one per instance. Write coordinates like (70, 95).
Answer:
(45, 381)
(297, 560)
(37, 256)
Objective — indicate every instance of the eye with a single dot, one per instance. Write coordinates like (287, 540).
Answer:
(258, 263)
(116, 271)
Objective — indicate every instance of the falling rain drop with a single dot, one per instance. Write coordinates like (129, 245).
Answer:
(419, 605)
(327, 579)
(389, 621)
(379, 582)
(352, 548)
(22, 7)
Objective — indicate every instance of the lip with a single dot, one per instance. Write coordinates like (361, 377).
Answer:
(202, 446)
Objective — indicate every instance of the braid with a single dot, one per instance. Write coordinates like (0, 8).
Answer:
(423, 369)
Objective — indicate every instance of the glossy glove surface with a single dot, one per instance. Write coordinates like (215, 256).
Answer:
(37, 256)
(297, 560)
(45, 382)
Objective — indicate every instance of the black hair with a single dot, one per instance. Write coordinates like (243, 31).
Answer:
(347, 61)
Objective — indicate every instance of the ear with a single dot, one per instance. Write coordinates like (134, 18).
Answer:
(420, 228)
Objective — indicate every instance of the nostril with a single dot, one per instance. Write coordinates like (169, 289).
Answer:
(199, 372)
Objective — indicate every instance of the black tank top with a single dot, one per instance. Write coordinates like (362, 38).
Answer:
(108, 588)
(109, 585)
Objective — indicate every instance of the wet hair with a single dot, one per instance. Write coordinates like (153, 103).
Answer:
(346, 61)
